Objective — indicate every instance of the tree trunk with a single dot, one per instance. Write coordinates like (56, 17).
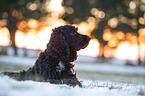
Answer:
(12, 28)
(102, 49)
(3, 50)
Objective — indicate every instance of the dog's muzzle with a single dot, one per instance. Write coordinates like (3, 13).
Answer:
(89, 38)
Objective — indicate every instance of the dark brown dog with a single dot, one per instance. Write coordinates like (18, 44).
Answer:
(53, 65)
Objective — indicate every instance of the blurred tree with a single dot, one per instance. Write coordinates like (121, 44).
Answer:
(130, 9)
(17, 10)
(81, 10)
(76, 11)
(112, 8)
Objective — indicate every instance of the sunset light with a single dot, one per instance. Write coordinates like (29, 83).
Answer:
(33, 39)
(72, 47)
(4, 36)
(127, 51)
(20, 38)
(37, 39)
(35, 33)
(92, 49)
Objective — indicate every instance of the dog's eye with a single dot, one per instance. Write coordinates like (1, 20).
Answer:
(73, 33)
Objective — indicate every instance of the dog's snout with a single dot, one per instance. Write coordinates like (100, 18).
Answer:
(89, 38)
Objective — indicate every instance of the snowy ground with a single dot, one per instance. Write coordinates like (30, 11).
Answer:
(10, 87)
(98, 80)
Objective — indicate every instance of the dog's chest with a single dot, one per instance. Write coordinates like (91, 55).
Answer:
(60, 67)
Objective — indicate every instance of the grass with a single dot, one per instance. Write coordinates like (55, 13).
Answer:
(11, 67)
(114, 77)
(89, 75)
(113, 74)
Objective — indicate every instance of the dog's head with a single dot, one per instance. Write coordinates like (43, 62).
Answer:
(67, 40)
(70, 35)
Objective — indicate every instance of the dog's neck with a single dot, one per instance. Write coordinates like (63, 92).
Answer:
(73, 56)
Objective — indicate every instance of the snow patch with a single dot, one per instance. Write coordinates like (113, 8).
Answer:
(10, 87)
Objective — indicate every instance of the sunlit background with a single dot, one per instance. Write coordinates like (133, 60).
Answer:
(113, 64)
(118, 36)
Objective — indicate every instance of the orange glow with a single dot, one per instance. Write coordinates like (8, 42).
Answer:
(107, 51)
(127, 51)
(4, 36)
(53, 22)
(85, 28)
(55, 7)
(142, 51)
(112, 43)
(120, 35)
(133, 39)
(32, 23)
(3, 22)
(44, 37)
(32, 34)
(94, 46)
(21, 25)
(31, 40)
(128, 36)
(141, 32)
(113, 22)
(58, 22)
(92, 49)
(19, 38)
(35, 34)
(107, 35)
(141, 20)
(35, 38)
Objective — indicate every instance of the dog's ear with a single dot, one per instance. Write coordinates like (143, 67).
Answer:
(59, 47)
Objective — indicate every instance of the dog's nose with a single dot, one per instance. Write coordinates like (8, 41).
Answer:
(89, 38)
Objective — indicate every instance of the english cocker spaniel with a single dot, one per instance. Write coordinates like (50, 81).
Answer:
(55, 65)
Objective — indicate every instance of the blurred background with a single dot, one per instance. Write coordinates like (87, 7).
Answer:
(117, 27)
(114, 58)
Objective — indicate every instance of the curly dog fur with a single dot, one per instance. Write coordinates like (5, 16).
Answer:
(54, 64)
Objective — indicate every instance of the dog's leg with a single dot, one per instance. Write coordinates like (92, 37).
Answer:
(14, 75)
(11, 74)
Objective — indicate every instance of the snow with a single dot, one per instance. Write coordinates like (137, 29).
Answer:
(10, 87)
(91, 87)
